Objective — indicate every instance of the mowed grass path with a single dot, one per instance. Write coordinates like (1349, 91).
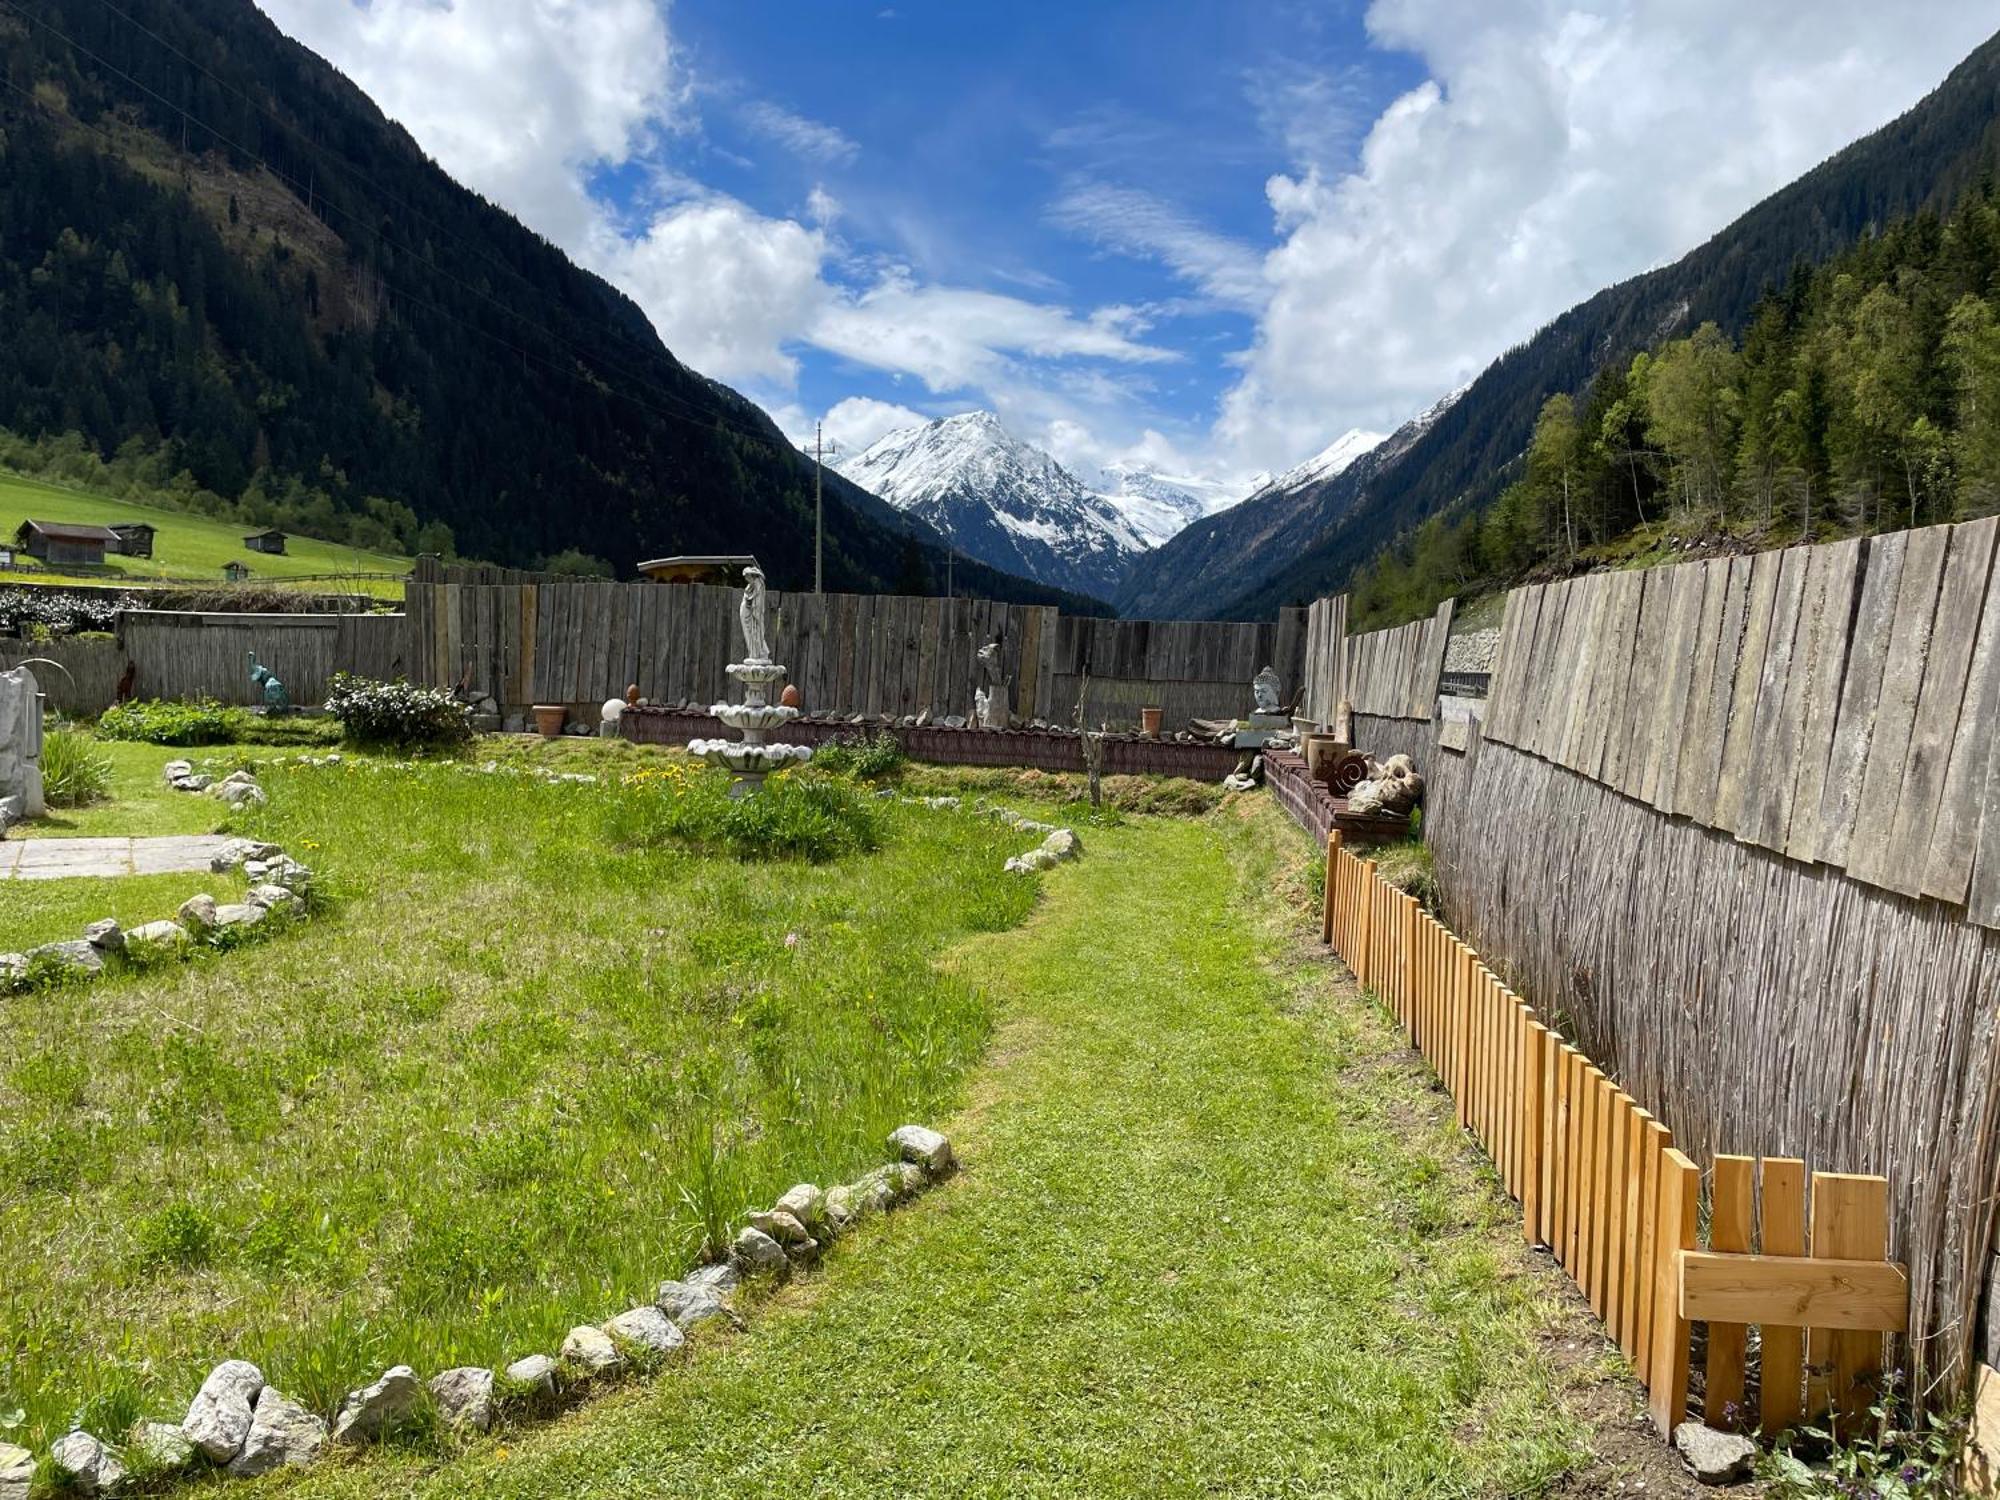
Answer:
(1215, 1236)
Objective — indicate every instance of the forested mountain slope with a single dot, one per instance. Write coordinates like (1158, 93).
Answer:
(214, 247)
(1926, 160)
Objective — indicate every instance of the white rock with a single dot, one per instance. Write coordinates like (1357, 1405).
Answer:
(218, 1420)
(239, 914)
(236, 852)
(374, 1409)
(537, 1370)
(1063, 844)
(721, 1278)
(155, 940)
(175, 768)
(105, 935)
(272, 897)
(688, 1304)
(197, 912)
(283, 1434)
(464, 1397)
(780, 1226)
(17, 1472)
(13, 969)
(200, 781)
(874, 1193)
(591, 1350)
(928, 1148)
(755, 1251)
(240, 794)
(844, 1205)
(74, 959)
(162, 1447)
(648, 1328)
(807, 1204)
(1714, 1457)
(93, 1468)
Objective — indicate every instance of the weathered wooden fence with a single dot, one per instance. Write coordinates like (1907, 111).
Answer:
(177, 654)
(1602, 1184)
(579, 643)
(1392, 672)
(1837, 704)
(84, 679)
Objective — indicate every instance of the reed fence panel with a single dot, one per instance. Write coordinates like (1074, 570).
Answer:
(84, 679)
(181, 654)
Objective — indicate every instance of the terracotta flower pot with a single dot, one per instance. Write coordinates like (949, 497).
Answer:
(1149, 722)
(549, 719)
(790, 696)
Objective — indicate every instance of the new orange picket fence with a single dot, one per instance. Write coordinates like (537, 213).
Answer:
(1601, 1184)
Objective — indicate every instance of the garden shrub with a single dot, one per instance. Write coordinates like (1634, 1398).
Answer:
(798, 815)
(158, 721)
(862, 756)
(74, 773)
(397, 715)
(59, 612)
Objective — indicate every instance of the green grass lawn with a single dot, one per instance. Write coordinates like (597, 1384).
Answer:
(187, 548)
(514, 1076)
(1216, 1235)
(140, 803)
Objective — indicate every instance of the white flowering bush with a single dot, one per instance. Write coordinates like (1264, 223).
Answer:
(397, 714)
(59, 612)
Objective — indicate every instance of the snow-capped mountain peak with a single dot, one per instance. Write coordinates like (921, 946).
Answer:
(1328, 462)
(1001, 500)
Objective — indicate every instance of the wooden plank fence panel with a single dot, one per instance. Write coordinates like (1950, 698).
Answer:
(1740, 730)
(1768, 768)
(1732, 1199)
(1861, 687)
(1967, 794)
(1850, 1221)
(1674, 1218)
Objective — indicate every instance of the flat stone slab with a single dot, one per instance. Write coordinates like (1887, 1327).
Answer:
(66, 859)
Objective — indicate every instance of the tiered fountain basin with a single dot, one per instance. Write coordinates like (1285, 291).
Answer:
(750, 759)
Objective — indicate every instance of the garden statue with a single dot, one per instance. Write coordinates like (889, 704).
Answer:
(755, 647)
(275, 696)
(750, 759)
(990, 706)
(1265, 689)
(20, 747)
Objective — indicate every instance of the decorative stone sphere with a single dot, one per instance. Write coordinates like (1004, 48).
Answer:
(790, 696)
(613, 709)
(632, 694)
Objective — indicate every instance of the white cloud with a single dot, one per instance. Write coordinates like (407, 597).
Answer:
(859, 420)
(517, 99)
(802, 137)
(1558, 146)
(726, 287)
(1140, 224)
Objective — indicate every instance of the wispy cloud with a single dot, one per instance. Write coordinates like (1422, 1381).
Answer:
(809, 139)
(1139, 224)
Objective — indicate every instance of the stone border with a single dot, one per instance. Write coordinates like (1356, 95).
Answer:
(243, 1426)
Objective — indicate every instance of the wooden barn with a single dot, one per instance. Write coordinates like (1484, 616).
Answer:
(271, 542)
(135, 539)
(65, 543)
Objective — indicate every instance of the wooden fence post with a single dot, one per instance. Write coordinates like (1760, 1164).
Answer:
(1729, 1220)
(1673, 1230)
(1780, 1397)
(1533, 1039)
(1327, 897)
(1850, 1221)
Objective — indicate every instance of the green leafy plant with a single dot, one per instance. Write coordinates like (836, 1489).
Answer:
(1895, 1456)
(74, 772)
(181, 1234)
(864, 757)
(798, 815)
(397, 715)
(157, 721)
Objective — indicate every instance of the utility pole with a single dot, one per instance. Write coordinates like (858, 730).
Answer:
(820, 450)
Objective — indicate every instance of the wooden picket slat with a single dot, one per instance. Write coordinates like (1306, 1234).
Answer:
(1732, 1200)
(1850, 1221)
(1782, 1226)
(1674, 1227)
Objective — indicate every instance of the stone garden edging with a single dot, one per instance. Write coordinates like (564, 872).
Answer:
(242, 1426)
(278, 885)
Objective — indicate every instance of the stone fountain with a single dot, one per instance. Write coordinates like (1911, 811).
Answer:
(751, 758)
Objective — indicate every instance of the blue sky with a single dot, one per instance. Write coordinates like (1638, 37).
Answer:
(1207, 236)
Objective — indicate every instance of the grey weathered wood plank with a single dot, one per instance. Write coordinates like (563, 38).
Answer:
(1831, 632)
(1860, 689)
(1740, 730)
(1968, 797)
(1896, 708)
(1683, 637)
(1766, 770)
(1694, 794)
(1583, 669)
(1607, 714)
(1954, 633)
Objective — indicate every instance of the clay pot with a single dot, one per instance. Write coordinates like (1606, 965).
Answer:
(632, 694)
(790, 696)
(549, 719)
(1149, 722)
(1322, 751)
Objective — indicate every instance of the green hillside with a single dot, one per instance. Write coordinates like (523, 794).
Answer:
(187, 548)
